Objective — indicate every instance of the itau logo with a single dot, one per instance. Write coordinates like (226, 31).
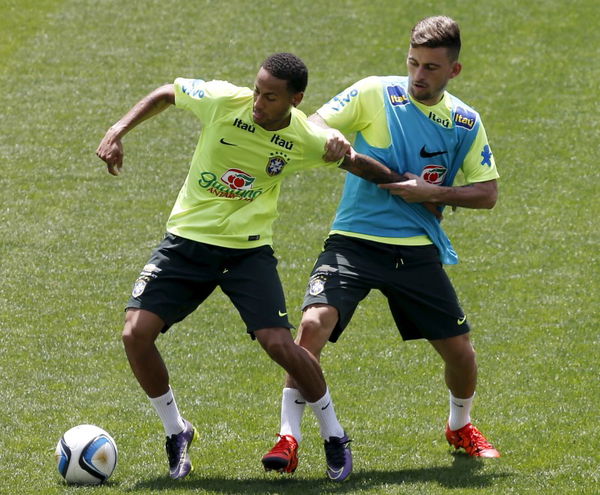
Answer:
(237, 179)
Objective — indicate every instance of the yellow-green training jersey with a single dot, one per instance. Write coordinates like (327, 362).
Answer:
(230, 195)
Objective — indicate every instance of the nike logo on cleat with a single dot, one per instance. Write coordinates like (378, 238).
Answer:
(334, 474)
(222, 141)
(430, 154)
(282, 313)
(460, 321)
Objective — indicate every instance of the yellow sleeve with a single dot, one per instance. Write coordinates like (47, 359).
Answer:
(479, 164)
(203, 98)
(359, 108)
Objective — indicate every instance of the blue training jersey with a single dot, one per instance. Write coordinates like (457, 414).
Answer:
(434, 143)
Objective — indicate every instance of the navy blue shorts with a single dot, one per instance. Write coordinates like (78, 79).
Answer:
(182, 273)
(419, 293)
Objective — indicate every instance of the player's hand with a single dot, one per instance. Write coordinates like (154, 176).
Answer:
(336, 146)
(110, 151)
(413, 190)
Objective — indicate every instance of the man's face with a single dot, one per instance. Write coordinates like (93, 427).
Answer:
(429, 70)
(272, 101)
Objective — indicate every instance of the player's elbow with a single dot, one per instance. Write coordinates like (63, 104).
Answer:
(490, 202)
(490, 196)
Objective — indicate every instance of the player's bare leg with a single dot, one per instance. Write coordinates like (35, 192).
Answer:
(297, 361)
(460, 364)
(317, 324)
(318, 321)
(139, 335)
(461, 378)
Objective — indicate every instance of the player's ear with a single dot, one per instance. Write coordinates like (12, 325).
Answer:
(297, 98)
(456, 68)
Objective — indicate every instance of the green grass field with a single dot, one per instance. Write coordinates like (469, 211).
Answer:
(74, 239)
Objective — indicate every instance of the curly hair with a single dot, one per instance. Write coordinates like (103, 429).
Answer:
(290, 68)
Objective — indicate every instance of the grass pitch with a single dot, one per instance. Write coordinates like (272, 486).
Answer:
(74, 239)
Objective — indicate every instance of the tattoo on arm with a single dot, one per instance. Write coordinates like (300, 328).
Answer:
(370, 169)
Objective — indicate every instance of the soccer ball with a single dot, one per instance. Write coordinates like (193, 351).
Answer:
(86, 455)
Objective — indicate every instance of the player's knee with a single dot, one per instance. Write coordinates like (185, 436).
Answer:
(465, 358)
(317, 323)
(137, 332)
(313, 333)
(129, 336)
(277, 343)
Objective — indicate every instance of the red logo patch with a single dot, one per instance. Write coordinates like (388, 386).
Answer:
(434, 174)
(237, 179)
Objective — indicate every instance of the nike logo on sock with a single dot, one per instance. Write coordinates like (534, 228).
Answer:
(296, 401)
(169, 402)
(326, 406)
(457, 405)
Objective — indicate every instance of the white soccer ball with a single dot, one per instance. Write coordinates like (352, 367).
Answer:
(86, 455)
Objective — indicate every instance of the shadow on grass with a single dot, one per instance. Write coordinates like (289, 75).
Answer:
(463, 473)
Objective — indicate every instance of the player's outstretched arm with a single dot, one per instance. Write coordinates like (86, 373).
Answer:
(370, 169)
(110, 149)
(416, 190)
(338, 146)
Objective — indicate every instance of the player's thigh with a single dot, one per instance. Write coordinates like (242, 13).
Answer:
(342, 276)
(252, 283)
(177, 278)
(422, 299)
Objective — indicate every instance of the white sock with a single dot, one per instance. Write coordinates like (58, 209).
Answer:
(292, 409)
(167, 410)
(325, 413)
(460, 412)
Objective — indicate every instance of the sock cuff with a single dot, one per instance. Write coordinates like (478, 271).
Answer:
(162, 399)
(323, 401)
(462, 402)
(293, 394)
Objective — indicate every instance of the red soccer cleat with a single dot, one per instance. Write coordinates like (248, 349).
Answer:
(283, 457)
(472, 440)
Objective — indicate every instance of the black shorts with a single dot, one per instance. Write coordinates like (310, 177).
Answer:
(419, 292)
(182, 273)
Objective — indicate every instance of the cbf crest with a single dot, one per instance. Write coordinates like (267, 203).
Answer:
(277, 161)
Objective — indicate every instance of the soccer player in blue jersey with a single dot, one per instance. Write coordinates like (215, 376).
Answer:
(384, 238)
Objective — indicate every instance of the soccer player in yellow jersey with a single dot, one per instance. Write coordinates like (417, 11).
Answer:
(219, 232)
(390, 242)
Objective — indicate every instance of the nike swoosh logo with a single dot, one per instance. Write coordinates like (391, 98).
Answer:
(430, 154)
(281, 314)
(296, 401)
(325, 407)
(334, 474)
(169, 402)
(222, 141)
(460, 321)
(457, 405)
